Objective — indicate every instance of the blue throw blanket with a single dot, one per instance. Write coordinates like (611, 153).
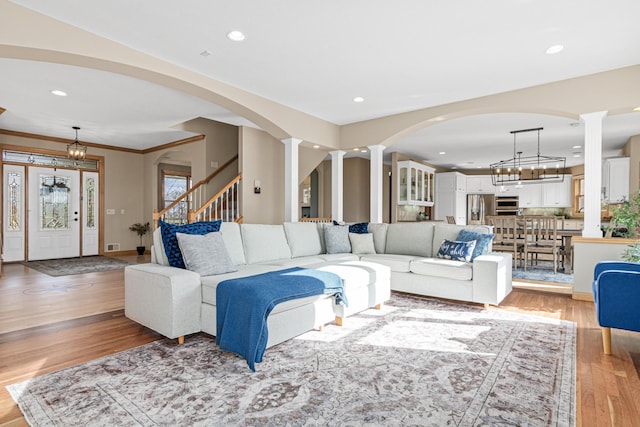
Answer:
(242, 305)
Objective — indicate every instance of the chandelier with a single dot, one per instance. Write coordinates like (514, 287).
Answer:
(527, 169)
(76, 151)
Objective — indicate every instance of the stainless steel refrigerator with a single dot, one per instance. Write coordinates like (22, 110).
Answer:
(479, 206)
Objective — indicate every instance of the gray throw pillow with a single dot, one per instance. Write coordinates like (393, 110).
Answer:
(336, 239)
(205, 254)
(362, 243)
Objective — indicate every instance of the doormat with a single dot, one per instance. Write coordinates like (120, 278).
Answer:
(415, 362)
(68, 266)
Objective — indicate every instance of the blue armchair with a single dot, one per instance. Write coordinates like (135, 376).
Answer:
(616, 292)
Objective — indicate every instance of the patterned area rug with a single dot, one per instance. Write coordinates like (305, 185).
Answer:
(542, 272)
(67, 266)
(415, 362)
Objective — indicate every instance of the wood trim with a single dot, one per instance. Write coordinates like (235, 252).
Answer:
(103, 146)
(582, 296)
(123, 253)
(603, 240)
(66, 141)
(172, 144)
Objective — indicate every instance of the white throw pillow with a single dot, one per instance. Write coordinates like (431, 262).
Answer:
(362, 243)
(205, 254)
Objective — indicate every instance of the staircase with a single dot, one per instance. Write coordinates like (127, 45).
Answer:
(223, 205)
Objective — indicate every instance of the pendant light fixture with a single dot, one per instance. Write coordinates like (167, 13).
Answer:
(528, 169)
(76, 151)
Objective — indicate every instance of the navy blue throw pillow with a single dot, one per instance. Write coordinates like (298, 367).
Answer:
(359, 228)
(170, 241)
(482, 241)
(457, 251)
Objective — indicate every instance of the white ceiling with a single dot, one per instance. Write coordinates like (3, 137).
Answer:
(317, 56)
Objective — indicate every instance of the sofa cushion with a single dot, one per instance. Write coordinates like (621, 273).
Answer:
(356, 274)
(264, 242)
(458, 251)
(483, 241)
(295, 262)
(159, 256)
(414, 238)
(340, 257)
(205, 254)
(362, 243)
(233, 241)
(442, 231)
(438, 267)
(170, 242)
(379, 231)
(336, 239)
(303, 238)
(397, 263)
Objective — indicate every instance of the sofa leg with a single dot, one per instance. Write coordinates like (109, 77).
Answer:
(606, 340)
(378, 306)
(338, 320)
(486, 306)
(181, 340)
(320, 328)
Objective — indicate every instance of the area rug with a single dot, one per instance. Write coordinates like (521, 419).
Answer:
(68, 266)
(543, 272)
(415, 362)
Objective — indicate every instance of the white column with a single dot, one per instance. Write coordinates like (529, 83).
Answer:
(291, 184)
(375, 171)
(592, 172)
(337, 191)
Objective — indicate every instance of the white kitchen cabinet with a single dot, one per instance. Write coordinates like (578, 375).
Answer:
(507, 190)
(415, 184)
(451, 197)
(530, 196)
(480, 184)
(557, 194)
(615, 179)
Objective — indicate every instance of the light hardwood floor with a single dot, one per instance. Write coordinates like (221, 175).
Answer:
(70, 323)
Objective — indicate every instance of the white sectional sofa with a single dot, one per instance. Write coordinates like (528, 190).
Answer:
(177, 302)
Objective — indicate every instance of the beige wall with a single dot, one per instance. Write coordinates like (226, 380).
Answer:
(261, 158)
(221, 145)
(123, 188)
(356, 189)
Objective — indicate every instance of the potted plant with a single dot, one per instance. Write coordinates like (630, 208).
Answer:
(625, 219)
(140, 229)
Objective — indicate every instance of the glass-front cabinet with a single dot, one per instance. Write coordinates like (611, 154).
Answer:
(415, 183)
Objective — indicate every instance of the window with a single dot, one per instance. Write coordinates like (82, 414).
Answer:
(174, 185)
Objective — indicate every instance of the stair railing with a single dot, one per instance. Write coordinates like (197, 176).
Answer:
(223, 205)
(193, 197)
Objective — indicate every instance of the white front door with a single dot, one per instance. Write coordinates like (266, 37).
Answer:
(54, 213)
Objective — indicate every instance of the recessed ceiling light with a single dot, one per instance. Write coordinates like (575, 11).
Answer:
(356, 149)
(555, 49)
(205, 53)
(59, 92)
(576, 146)
(574, 124)
(235, 35)
(636, 109)
(316, 146)
(362, 150)
(436, 119)
(442, 152)
(358, 99)
(576, 154)
(454, 167)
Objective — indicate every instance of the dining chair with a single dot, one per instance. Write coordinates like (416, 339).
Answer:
(541, 238)
(506, 238)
